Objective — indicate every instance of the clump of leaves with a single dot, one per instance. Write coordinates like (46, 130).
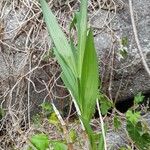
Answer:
(137, 129)
(78, 63)
(133, 117)
(47, 112)
(42, 142)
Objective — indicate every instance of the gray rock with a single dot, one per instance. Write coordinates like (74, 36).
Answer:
(128, 74)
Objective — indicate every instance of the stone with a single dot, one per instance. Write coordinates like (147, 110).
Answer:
(123, 77)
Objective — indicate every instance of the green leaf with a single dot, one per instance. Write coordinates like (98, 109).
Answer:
(63, 51)
(40, 141)
(58, 36)
(72, 136)
(138, 98)
(47, 107)
(67, 76)
(123, 50)
(124, 41)
(123, 53)
(58, 145)
(101, 143)
(116, 122)
(53, 119)
(90, 134)
(133, 117)
(105, 104)
(82, 33)
(89, 79)
(74, 21)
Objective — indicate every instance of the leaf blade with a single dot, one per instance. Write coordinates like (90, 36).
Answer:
(58, 36)
(40, 141)
(89, 78)
(82, 33)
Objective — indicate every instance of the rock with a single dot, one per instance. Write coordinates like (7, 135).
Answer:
(123, 77)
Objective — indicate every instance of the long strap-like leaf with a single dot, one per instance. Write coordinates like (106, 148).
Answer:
(82, 33)
(89, 78)
(58, 36)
